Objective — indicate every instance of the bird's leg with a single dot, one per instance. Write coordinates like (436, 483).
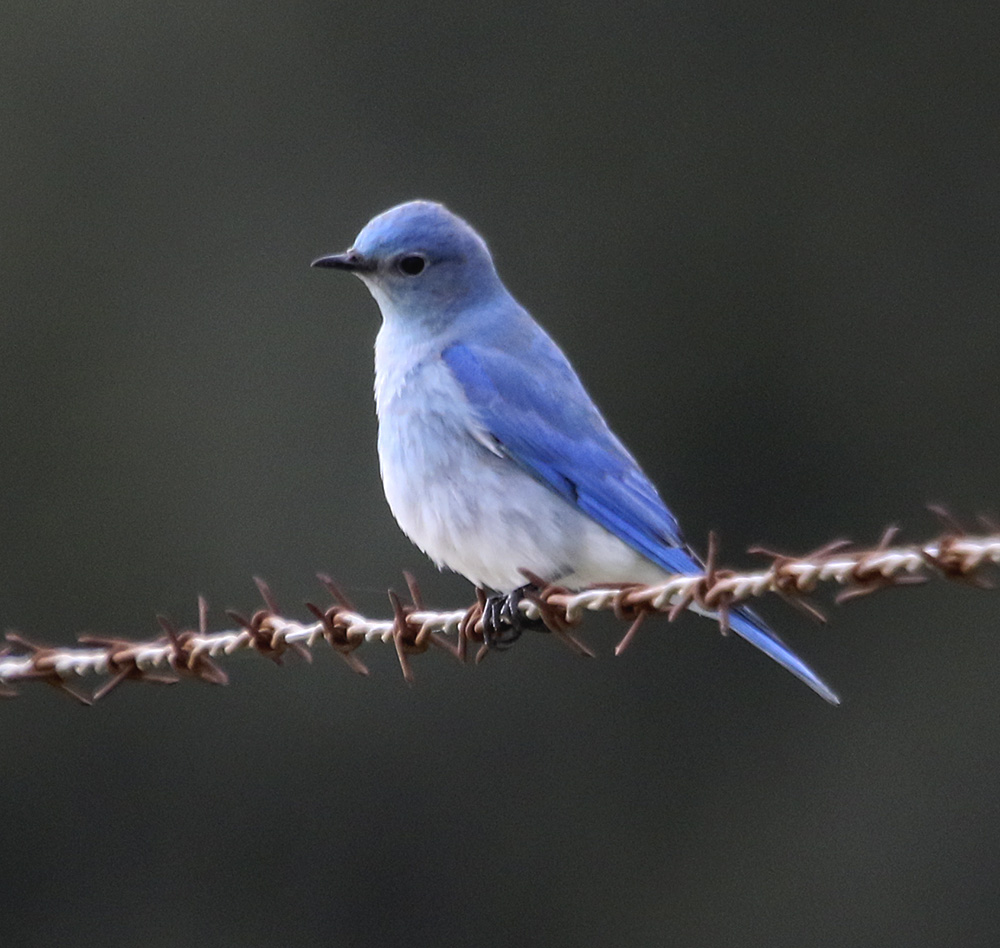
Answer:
(503, 621)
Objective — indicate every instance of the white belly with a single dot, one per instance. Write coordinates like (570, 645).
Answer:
(478, 513)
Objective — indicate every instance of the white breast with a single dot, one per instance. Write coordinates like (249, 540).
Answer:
(467, 506)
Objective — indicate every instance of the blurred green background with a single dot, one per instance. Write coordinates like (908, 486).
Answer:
(766, 234)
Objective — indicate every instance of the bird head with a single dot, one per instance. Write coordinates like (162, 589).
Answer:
(421, 262)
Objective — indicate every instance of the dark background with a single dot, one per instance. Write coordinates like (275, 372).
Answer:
(766, 234)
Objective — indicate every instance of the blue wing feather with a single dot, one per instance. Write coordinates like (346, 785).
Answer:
(563, 441)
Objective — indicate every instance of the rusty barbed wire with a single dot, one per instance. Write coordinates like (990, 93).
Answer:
(414, 629)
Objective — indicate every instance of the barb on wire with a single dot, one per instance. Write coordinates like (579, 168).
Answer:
(414, 628)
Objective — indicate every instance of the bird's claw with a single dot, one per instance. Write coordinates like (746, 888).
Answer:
(503, 620)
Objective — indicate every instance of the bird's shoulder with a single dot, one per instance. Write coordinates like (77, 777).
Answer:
(515, 376)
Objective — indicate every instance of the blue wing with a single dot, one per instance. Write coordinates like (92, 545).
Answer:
(542, 418)
(537, 412)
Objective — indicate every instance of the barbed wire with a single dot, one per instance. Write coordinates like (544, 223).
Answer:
(415, 629)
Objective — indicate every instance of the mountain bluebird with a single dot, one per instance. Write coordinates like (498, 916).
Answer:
(494, 459)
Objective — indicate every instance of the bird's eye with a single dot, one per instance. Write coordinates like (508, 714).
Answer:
(411, 265)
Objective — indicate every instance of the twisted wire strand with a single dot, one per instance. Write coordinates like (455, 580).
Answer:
(413, 629)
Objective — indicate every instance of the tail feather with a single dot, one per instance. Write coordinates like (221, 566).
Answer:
(746, 623)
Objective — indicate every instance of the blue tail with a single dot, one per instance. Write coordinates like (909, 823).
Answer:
(747, 624)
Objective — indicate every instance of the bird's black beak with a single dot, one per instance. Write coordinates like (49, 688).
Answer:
(351, 260)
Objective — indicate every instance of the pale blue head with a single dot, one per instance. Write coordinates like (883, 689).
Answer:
(420, 261)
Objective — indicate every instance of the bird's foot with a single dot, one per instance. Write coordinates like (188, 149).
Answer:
(503, 620)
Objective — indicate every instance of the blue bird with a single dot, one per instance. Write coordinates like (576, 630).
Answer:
(494, 459)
